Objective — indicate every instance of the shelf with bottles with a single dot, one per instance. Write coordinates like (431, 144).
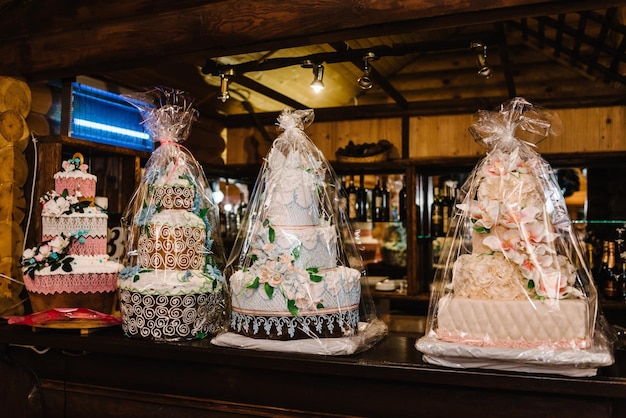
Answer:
(375, 206)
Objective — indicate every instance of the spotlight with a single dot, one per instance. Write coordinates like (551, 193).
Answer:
(318, 75)
(365, 82)
(484, 70)
(225, 76)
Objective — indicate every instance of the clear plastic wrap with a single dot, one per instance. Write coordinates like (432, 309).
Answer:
(172, 285)
(513, 289)
(296, 279)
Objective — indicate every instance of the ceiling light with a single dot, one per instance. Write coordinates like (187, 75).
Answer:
(365, 82)
(484, 70)
(225, 76)
(318, 75)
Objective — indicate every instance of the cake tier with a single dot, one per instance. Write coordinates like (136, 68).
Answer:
(173, 240)
(172, 282)
(170, 317)
(76, 183)
(172, 197)
(90, 225)
(294, 197)
(516, 323)
(325, 303)
(310, 246)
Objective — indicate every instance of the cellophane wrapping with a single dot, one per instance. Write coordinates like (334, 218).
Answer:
(296, 279)
(172, 285)
(514, 290)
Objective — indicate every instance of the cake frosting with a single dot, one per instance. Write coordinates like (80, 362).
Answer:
(290, 284)
(515, 288)
(70, 267)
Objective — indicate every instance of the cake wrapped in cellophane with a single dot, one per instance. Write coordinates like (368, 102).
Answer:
(514, 290)
(294, 275)
(172, 284)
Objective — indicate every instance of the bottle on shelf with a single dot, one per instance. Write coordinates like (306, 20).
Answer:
(620, 270)
(377, 197)
(445, 210)
(361, 200)
(436, 214)
(603, 265)
(608, 279)
(352, 200)
(386, 199)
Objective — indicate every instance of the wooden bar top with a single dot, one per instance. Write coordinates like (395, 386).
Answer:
(105, 373)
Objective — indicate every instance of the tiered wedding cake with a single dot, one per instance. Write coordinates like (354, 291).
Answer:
(290, 284)
(175, 290)
(70, 268)
(514, 289)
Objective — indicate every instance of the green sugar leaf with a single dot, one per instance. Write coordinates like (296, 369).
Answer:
(255, 284)
(291, 305)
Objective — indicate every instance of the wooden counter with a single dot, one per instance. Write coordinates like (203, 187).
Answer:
(105, 374)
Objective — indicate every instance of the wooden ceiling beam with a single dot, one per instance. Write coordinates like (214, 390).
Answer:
(59, 39)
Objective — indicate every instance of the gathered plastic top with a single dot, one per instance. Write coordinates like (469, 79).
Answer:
(167, 113)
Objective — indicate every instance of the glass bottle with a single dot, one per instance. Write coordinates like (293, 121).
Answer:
(377, 194)
(352, 200)
(609, 280)
(386, 198)
(361, 200)
(436, 214)
(445, 210)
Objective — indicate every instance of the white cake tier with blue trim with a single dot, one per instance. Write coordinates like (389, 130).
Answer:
(339, 289)
(309, 246)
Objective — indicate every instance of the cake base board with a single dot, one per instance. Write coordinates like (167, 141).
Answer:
(368, 335)
(568, 362)
(85, 326)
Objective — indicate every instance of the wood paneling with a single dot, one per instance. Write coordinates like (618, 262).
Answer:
(587, 130)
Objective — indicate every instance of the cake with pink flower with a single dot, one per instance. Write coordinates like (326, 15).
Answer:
(75, 179)
(289, 284)
(70, 267)
(517, 287)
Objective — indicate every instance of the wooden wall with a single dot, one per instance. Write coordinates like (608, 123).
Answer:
(601, 129)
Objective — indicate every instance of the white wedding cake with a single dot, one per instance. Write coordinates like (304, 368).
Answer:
(514, 289)
(290, 284)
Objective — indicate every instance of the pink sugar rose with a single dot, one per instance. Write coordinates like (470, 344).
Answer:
(83, 168)
(45, 250)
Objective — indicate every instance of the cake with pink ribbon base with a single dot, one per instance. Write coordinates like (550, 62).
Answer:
(70, 267)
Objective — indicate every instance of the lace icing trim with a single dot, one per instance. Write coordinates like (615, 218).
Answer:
(96, 226)
(267, 326)
(72, 283)
(170, 318)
